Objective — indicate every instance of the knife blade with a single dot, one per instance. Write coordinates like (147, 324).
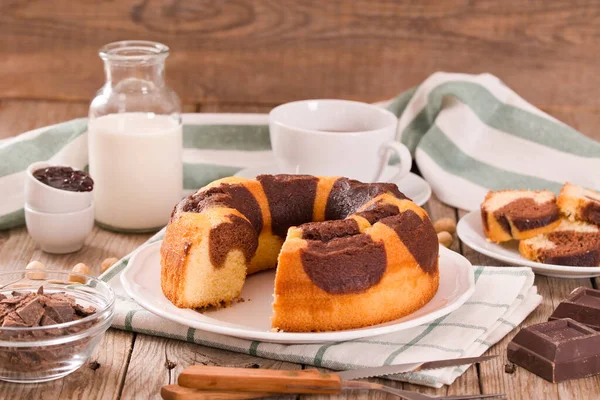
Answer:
(410, 367)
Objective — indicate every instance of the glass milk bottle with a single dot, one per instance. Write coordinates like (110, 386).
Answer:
(135, 139)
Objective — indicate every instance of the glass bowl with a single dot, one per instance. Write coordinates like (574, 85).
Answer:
(43, 353)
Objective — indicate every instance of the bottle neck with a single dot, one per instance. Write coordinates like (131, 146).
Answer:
(153, 73)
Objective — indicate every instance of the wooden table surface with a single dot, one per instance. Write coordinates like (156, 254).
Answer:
(128, 365)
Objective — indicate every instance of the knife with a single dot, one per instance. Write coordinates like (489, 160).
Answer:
(409, 367)
(304, 381)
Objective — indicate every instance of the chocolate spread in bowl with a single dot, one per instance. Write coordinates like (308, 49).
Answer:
(65, 178)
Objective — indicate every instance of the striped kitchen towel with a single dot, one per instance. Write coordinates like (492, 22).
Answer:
(503, 298)
(471, 133)
(468, 133)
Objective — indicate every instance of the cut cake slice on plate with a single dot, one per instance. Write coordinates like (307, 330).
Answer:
(577, 203)
(518, 214)
(573, 243)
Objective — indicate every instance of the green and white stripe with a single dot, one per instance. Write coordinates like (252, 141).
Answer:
(469, 134)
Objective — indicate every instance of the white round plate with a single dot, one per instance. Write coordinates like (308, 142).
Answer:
(252, 319)
(470, 232)
(412, 185)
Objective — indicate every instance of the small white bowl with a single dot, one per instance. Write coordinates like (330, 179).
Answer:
(59, 233)
(46, 199)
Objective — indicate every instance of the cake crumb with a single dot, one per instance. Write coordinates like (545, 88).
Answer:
(94, 365)
(510, 368)
(215, 307)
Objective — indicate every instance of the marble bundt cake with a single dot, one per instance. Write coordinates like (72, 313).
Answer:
(518, 214)
(577, 203)
(348, 254)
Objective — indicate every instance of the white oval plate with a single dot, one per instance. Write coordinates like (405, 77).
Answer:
(412, 185)
(470, 231)
(252, 318)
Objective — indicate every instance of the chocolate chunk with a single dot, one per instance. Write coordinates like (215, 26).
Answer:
(65, 178)
(350, 264)
(582, 305)
(14, 293)
(62, 297)
(557, 350)
(4, 310)
(83, 311)
(11, 304)
(31, 312)
(40, 290)
(16, 300)
(46, 320)
(60, 311)
(235, 234)
(2, 297)
(328, 230)
(291, 200)
(510, 368)
(234, 196)
(13, 320)
(348, 195)
(11, 300)
(418, 236)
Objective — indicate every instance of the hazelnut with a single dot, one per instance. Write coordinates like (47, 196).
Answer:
(80, 268)
(445, 239)
(108, 262)
(37, 273)
(57, 282)
(445, 225)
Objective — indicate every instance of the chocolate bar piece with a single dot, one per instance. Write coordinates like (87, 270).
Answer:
(557, 350)
(582, 305)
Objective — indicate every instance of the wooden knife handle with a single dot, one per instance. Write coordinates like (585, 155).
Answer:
(176, 392)
(259, 380)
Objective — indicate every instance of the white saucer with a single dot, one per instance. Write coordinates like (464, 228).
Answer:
(251, 319)
(412, 185)
(470, 232)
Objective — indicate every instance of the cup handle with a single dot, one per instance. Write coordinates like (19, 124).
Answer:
(405, 160)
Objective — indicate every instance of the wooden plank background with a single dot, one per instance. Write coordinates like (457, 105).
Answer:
(270, 51)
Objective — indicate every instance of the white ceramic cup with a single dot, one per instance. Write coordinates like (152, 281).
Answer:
(59, 233)
(336, 138)
(46, 199)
